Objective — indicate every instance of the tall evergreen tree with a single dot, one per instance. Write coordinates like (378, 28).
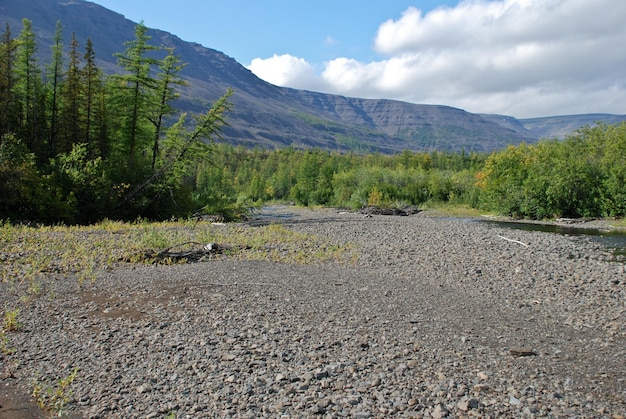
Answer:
(8, 111)
(55, 70)
(167, 80)
(95, 129)
(28, 87)
(71, 112)
(139, 85)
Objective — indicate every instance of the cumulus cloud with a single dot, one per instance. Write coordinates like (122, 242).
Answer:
(283, 70)
(517, 57)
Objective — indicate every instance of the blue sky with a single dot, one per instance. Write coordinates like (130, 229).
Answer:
(525, 58)
(318, 30)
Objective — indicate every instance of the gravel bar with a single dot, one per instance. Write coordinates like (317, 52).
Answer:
(435, 317)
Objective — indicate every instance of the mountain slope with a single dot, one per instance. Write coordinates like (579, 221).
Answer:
(561, 126)
(266, 115)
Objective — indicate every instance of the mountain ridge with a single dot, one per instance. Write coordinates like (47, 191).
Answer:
(270, 116)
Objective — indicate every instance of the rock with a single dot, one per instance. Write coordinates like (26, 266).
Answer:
(531, 410)
(440, 412)
(463, 405)
(144, 388)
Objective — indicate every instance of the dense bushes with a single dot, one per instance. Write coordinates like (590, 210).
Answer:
(582, 176)
(315, 177)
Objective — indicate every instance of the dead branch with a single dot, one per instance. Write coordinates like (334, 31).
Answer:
(513, 241)
(194, 254)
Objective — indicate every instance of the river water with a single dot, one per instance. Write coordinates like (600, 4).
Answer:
(613, 240)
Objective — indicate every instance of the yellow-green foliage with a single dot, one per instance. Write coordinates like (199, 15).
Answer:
(582, 176)
(10, 322)
(33, 253)
(53, 396)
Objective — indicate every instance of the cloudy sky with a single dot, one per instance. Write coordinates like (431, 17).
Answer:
(525, 58)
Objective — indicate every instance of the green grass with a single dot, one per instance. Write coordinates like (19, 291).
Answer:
(9, 321)
(30, 254)
(618, 223)
(452, 210)
(53, 396)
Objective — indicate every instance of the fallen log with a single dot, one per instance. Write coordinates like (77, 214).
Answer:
(190, 255)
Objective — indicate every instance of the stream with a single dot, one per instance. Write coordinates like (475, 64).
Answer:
(613, 240)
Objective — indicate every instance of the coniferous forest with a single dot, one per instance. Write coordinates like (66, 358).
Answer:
(78, 146)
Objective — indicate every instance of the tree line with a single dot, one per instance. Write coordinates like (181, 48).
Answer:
(78, 146)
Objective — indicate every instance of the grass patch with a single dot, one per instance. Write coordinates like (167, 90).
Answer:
(452, 210)
(618, 223)
(52, 396)
(28, 254)
(9, 320)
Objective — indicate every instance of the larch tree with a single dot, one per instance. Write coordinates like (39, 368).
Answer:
(28, 87)
(8, 111)
(166, 93)
(55, 78)
(94, 113)
(71, 110)
(138, 86)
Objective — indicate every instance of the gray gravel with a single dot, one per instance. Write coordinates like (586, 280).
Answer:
(437, 318)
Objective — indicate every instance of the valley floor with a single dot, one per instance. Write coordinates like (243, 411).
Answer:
(431, 317)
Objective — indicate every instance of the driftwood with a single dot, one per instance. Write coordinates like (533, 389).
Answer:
(513, 241)
(191, 255)
(522, 351)
(388, 211)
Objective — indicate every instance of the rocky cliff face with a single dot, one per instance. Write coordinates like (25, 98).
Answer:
(266, 115)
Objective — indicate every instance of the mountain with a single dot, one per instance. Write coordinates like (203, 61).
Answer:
(560, 126)
(269, 116)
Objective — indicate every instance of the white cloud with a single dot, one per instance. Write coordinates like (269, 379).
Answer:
(518, 57)
(283, 70)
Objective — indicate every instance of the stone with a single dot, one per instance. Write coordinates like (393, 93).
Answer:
(144, 388)
(440, 412)
(463, 405)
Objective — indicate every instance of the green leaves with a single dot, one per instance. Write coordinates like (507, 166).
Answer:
(582, 176)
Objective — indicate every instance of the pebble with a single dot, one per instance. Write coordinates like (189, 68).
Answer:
(430, 318)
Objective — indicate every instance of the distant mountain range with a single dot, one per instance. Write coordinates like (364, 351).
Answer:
(271, 117)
